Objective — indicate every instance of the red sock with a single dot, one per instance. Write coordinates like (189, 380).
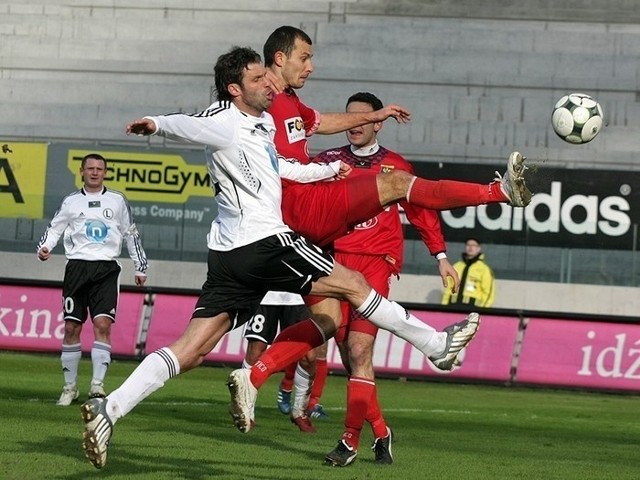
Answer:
(359, 392)
(287, 381)
(375, 418)
(288, 347)
(322, 370)
(447, 194)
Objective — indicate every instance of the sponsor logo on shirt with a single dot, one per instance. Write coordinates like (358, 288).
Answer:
(295, 129)
(95, 204)
(96, 231)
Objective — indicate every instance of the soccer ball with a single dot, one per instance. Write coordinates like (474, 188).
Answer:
(577, 118)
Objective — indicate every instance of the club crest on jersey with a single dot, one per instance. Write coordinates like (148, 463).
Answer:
(372, 222)
(387, 168)
(295, 129)
(108, 213)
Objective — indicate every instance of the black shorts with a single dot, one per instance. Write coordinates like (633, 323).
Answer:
(263, 325)
(92, 286)
(238, 279)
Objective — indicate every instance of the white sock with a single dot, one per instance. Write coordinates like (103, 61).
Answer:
(302, 382)
(70, 359)
(246, 365)
(149, 376)
(394, 318)
(100, 359)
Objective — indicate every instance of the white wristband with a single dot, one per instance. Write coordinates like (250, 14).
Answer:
(441, 256)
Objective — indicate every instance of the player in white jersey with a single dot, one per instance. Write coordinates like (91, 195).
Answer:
(252, 251)
(94, 221)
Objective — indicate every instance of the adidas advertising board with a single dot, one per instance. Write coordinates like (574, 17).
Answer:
(570, 208)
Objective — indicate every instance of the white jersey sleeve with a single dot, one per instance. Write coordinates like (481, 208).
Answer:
(58, 224)
(201, 128)
(313, 172)
(131, 236)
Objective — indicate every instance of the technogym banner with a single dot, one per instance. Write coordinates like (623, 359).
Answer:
(163, 186)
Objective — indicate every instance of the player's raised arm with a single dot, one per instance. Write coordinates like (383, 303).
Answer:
(142, 126)
(331, 123)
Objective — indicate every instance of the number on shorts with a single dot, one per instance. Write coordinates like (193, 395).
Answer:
(68, 305)
(256, 323)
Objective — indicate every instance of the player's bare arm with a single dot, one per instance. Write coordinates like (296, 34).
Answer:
(401, 114)
(141, 126)
(446, 270)
(331, 123)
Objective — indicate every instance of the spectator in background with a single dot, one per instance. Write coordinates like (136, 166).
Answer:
(94, 220)
(477, 281)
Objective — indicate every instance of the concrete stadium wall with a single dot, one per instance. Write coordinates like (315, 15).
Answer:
(480, 78)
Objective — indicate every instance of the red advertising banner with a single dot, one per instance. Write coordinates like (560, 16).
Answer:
(581, 353)
(31, 319)
(576, 353)
(488, 357)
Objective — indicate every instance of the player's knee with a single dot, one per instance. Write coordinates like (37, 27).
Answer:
(394, 184)
(72, 330)
(357, 281)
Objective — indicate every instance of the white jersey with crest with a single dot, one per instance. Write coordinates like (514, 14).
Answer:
(94, 225)
(245, 170)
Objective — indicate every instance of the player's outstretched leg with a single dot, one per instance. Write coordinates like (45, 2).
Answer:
(512, 182)
(243, 398)
(97, 431)
(458, 337)
(447, 194)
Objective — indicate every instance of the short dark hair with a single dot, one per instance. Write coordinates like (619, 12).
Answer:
(472, 239)
(230, 69)
(282, 39)
(95, 156)
(366, 97)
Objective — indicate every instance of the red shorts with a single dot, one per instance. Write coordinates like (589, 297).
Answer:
(324, 211)
(377, 271)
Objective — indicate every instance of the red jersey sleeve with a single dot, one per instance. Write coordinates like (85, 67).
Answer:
(294, 122)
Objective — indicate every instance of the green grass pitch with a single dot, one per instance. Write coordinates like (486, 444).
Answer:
(443, 430)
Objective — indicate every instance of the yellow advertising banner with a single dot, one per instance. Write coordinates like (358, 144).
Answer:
(148, 177)
(23, 173)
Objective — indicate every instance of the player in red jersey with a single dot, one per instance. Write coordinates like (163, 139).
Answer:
(375, 249)
(331, 209)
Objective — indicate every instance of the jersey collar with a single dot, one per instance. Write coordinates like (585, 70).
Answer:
(84, 192)
(365, 151)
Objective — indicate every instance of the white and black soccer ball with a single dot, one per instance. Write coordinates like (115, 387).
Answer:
(577, 118)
